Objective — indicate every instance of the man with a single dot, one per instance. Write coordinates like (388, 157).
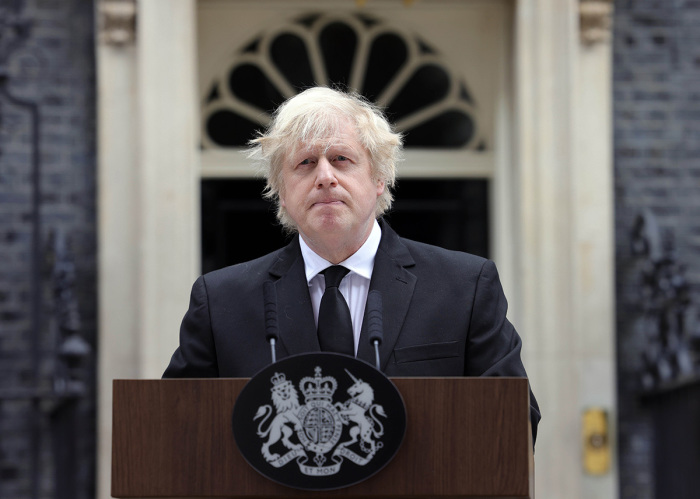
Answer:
(330, 162)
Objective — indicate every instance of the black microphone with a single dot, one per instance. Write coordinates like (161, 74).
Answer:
(271, 331)
(375, 327)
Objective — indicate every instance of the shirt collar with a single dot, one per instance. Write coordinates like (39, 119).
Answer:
(361, 262)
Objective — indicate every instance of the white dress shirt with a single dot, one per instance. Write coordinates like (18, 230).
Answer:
(355, 285)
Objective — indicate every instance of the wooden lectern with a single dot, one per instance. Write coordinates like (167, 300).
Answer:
(465, 438)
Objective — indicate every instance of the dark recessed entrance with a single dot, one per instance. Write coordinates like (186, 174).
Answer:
(238, 225)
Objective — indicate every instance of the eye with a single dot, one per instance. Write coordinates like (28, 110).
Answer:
(306, 161)
(342, 158)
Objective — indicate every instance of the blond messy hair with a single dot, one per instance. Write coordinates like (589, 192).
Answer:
(316, 114)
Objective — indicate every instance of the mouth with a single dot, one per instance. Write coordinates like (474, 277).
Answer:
(327, 202)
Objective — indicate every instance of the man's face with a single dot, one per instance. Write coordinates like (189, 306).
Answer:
(328, 190)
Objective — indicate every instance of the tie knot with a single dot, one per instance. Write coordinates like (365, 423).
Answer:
(334, 275)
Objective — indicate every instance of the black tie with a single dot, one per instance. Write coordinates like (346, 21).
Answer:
(334, 322)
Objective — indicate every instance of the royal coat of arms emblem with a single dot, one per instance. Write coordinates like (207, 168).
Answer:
(329, 430)
(318, 423)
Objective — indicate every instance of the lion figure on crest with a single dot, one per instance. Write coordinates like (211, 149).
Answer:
(361, 411)
(286, 401)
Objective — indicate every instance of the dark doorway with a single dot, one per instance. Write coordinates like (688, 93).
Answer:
(238, 225)
(450, 213)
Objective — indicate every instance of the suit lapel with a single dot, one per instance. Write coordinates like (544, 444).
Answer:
(396, 285)
(297, 328)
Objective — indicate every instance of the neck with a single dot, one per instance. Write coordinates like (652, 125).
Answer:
(336, 249)
(334, 253)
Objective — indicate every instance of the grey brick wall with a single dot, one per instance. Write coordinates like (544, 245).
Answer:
(656, 92)
(47, 67)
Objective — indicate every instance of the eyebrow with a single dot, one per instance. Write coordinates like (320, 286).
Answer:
(306, 150)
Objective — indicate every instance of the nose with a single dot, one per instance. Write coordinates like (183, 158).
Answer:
(325, 174)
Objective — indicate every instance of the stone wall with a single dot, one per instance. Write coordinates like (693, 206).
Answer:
(47, 249)
(656, 99)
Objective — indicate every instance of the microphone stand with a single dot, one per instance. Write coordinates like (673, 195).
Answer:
(270, 297)
(375, 326)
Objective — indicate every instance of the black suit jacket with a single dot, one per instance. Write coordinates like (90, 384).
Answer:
(444, 315)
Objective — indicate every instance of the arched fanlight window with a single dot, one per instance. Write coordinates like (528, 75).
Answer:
(399, 71)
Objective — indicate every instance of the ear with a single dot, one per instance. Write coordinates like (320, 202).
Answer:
(380, 187)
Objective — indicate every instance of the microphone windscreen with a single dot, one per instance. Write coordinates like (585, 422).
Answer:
(375, 327)
(270, 298)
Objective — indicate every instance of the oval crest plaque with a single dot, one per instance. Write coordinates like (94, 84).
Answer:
(319, 421)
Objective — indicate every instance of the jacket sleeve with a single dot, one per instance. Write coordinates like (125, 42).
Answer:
(493, 345)
(196, 355)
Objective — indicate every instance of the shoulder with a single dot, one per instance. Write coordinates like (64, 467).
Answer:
(422, 258)
(251, 273)
(434, 262)
(428, 253)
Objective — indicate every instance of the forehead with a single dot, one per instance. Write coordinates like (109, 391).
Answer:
(343, 135)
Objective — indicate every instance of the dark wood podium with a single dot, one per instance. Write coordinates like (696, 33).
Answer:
(465, 438)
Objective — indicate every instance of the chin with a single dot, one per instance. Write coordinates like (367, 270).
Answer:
(329, 224)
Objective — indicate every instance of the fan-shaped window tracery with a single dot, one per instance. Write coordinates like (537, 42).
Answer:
(401, 72)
